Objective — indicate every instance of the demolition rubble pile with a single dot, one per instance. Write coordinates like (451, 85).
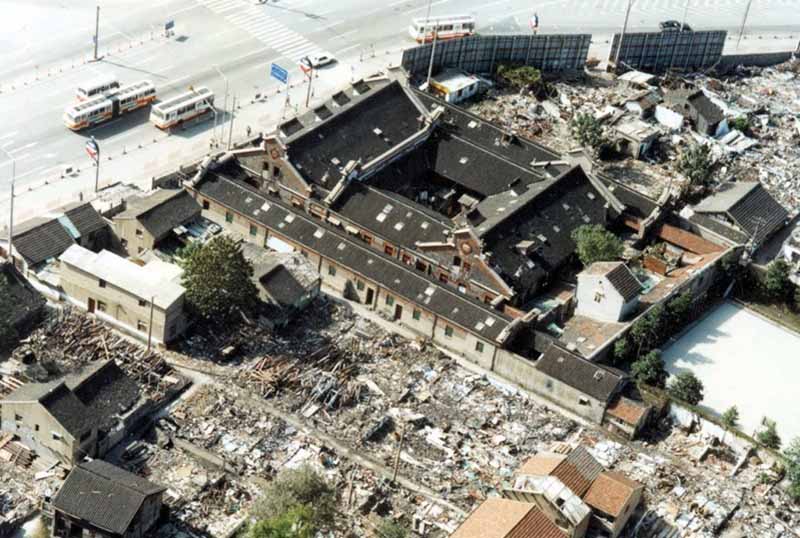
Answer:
(235, 450)
(70, 340)
(770, 98)
(697, 488)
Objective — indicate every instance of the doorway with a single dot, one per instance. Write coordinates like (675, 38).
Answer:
(91, 305)
(370, 296)
(398, 312)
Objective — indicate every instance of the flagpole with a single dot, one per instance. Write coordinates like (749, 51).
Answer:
(97, 169)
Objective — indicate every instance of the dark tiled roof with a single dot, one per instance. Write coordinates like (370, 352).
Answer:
(106, 391)
(282, 286)
(68, 410)
(162, 211)
(552, 215)
(405, 223)
(706, 108)
(350, 133)
(723, 229)
(333, 244)
(624, 282)
(587, 377)
(478, 131)
(635, 202)
(104, 495)
(474, 167)
(750, 207)
(85, 218)
(24, 300)
(44, 242)
(578, 471)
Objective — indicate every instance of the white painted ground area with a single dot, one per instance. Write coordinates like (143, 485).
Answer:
(747, 361)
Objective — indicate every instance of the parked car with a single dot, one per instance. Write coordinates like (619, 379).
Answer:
(674, 26)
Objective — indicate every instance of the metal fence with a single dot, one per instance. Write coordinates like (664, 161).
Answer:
(482, 54)
(660, 51)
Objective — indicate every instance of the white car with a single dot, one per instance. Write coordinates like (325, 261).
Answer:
(317, 60)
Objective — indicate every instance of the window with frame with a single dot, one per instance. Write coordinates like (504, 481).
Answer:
(228, 216)
(139, 232)
(56, 436)
(389, 249)
(332, 270)
(598, 297)
(142, 302)
(417, 314)
(141, 326)
(360, 285)
(101, 283)
(206, 204)
(389, 300)
(101, 306)
(448, 331)
(253, 229)
(479, 347)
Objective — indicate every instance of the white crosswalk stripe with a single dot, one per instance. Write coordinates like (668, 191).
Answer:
(254, 20)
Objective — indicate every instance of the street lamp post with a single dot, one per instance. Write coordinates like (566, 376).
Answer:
(224, 107)
(96, 32)
(622, 35)
(11, 208)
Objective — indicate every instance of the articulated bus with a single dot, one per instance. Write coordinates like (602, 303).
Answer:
(103, 86)
(102, 108)
(183, 107)
(446, 27)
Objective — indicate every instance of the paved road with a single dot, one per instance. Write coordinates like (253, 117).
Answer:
(44, 53)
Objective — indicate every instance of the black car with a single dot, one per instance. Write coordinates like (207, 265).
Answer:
(674, 26)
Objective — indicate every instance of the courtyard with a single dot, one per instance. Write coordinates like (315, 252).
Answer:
(743, 360)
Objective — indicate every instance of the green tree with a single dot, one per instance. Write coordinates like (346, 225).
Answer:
(740, 124)
(593, 243)
(685, 386)
(679, 309)
(777, 285)
(520, 77)
(650, 369)
(586, 129)
(298, 487)
(792, 454)
(730, 419)
(217, 280)
(695, 164)
(646, 331)
(296, 522)
(622, 351)
(768, 436)
(390, 529)
(8, 333)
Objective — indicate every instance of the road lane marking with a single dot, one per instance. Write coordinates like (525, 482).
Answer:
(340, 51)
(420, 8)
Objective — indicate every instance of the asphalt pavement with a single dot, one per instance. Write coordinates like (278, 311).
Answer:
(47, 51)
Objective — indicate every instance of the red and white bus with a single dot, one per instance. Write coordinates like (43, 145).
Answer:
(102, 108)
(445, 27)
(183, 107)
(102, 86)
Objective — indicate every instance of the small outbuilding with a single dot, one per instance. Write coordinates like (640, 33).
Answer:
(607, 291)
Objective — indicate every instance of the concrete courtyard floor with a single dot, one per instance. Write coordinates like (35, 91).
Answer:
(743, 360)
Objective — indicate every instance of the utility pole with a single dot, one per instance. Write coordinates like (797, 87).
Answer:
(397, 455)
(286, 103)
(150, 325)
(622, 35)
(96, 32)
(310, 80)
(433, 54)
(224, 108)
(233, 116)
(11, 208)
(744, 20)
(97, 171)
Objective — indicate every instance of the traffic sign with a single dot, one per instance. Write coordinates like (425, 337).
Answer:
(169, 25)
(279, 73)
(92, 148)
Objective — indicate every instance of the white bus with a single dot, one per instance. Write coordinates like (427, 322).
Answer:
(183, 107)
(102, 86)
(446, 27)
(102, 108)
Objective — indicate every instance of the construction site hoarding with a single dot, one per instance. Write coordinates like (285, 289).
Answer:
(484, 53)
(657, 52)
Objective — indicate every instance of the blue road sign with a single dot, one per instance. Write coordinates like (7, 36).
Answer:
(169, 25)
(279, 73)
